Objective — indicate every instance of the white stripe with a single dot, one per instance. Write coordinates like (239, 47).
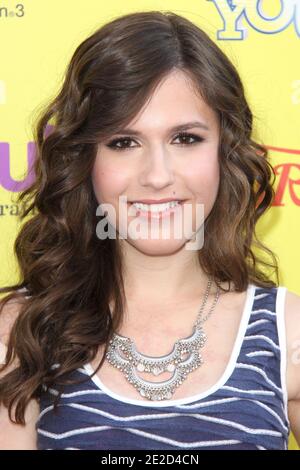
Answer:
(261, 296)
(224, 400)
(79, 369)
(229, 423)
(261, 447)
(74, 432)
(65, 448)
(224, 387)
(261, 392)
(198, 416)
(189, 406)
(272, 412)
(170, 415)
(53, 391)
(260, 353)
(259, 371)
(263, 310)
(139, 433)
(82, 370)
(238, 426)
(257, 322)
(142, 417)
(264, 338)
(45, 410)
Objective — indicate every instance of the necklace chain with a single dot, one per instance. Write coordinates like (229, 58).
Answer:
(122, 354)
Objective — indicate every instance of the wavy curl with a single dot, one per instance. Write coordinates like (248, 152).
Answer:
(70, 274)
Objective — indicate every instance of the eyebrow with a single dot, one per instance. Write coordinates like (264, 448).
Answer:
(179, 127)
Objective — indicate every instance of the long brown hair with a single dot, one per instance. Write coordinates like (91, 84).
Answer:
(69, 273)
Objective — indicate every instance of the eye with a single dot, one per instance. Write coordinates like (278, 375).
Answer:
(124, 141)
(113, 143)
(185, 136)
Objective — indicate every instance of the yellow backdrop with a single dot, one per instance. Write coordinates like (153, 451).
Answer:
(262, 38)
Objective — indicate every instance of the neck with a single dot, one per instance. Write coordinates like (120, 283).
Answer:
(163, 279)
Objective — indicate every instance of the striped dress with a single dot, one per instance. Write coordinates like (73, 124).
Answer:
(245, 409)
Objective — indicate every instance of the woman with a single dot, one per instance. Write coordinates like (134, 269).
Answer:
(152, 125)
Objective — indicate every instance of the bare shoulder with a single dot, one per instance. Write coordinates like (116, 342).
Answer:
(8, 315)
(15, 436)
(292, 323)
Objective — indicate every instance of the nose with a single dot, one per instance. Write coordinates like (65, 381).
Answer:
(158, 171)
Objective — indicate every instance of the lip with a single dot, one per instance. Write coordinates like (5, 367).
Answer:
(156, 201)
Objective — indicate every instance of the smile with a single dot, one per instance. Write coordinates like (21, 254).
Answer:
(156, 210)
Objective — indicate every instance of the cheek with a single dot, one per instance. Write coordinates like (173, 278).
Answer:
(203, 177)
(108, 182)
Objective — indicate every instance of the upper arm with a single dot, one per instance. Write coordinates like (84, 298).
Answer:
(15, 436)
(292, 319)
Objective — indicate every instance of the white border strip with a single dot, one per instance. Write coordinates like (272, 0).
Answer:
(281, 328)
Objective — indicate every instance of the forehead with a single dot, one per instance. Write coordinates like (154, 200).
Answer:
(175, 100)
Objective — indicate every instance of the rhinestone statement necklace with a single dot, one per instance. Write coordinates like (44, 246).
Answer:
(176, 361)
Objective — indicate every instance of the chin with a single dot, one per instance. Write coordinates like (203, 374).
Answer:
(159, 247)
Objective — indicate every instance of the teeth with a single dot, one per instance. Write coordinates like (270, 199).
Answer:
(155, 207)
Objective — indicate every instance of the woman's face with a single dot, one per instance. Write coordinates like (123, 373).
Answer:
(154, 161)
